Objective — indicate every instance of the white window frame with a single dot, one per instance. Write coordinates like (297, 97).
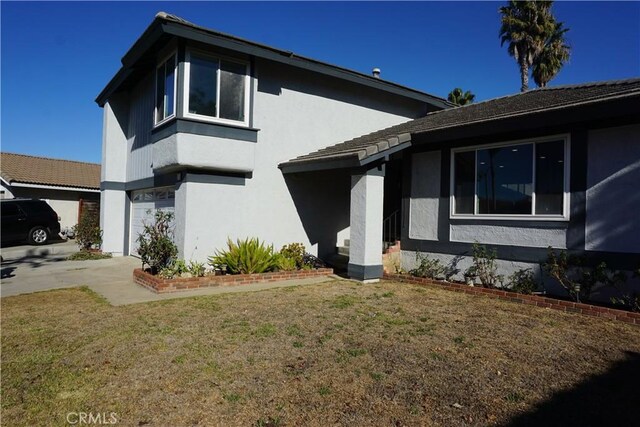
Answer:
(175, 88)
(187, 77)
(517, 217)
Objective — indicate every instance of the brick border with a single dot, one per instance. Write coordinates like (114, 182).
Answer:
(555, 304)
(160, 285)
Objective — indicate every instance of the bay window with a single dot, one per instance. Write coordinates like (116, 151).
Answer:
(216, 89)
(165, 89)
(511, 180)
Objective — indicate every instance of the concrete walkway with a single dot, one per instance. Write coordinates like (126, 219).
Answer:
(112, 278)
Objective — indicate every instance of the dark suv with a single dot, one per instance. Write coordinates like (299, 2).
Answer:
(28, 219)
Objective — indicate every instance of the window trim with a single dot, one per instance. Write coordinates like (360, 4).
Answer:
(565, 216)
(187, 82)
(165, 58)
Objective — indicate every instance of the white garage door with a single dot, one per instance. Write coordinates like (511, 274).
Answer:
(144, 204)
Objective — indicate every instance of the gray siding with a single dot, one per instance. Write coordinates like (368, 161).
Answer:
(613, 195)
(425, 196)
(139, 147)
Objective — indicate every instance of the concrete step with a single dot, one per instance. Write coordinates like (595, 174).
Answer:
(342, 250)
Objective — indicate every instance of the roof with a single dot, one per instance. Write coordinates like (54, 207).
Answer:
(361, 150)
(166, 24)
(23, 169)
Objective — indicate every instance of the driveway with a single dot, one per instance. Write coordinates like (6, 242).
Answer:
(112, 278)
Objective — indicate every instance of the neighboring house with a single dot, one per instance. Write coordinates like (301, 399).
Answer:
(68, 186)
(219, 130)
(197, 122)
(555, 167)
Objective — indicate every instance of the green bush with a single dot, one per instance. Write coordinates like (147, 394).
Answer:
(155, 243)
(87, 256)
(427, 267)
(179, 267)
(523, 281)
(197, 269)
(285, 263)
(246, 256)
(87, 231)
(294, 252)
(484, 266)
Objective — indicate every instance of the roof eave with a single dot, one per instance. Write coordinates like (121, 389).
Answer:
(350, 161)
(163, 25)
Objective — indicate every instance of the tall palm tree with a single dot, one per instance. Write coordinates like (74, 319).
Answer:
(554, 55)
(525, 26)
(458, 97)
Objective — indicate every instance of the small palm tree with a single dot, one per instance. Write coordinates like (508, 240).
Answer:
(458, 97)
(525, 26)
(554, 55)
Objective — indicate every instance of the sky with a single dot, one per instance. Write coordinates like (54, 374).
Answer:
(56, 57)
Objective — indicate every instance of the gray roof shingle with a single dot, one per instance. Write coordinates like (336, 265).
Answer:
(531, 102)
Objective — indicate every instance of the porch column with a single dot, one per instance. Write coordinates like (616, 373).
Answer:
(365, 251)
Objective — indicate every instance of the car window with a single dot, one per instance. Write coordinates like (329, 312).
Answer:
(10, 209)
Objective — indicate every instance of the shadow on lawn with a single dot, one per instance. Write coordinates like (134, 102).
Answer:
(610, 399)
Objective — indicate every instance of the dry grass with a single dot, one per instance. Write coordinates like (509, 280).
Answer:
(330, 354)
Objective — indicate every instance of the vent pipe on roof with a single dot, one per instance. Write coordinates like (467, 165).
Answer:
(376, 72)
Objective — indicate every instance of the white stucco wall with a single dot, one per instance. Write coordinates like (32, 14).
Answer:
(198, 151)
(114, 169)
(367, 196)
(613, 192)
(425, 196)
(114, 140)
(112, 221)
(6, 191)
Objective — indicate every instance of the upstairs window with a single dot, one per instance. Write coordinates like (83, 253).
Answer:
(526, 179)
(166, 89)
(216, 89)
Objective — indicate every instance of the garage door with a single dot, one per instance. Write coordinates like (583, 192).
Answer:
(144, 204)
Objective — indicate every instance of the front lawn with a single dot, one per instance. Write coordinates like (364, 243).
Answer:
(338, 353)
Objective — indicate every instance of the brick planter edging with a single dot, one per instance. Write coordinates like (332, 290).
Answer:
(555, 304)
(160, 285)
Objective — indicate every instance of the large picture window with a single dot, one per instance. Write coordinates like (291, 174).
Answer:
(524, 179)
(166, 89)
(216, 88)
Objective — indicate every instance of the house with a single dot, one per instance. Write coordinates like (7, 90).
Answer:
(197, 121)
(68, 186)
(556, 167)
(241, 139)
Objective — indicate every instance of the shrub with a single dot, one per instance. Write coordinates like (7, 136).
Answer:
(484, 266)
(155, 243)
(174, 269)
(429, 268)
(312, 261)
(523, 281)
(285, 263)
(579, 280)
(179, 267)
(87, 231)
(294, 252)
(86, 256)
(197, 269)
(246, 257)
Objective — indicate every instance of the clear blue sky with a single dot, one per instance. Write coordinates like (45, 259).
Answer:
(56, 57)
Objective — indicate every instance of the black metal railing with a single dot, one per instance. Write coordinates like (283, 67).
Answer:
(391, 228)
